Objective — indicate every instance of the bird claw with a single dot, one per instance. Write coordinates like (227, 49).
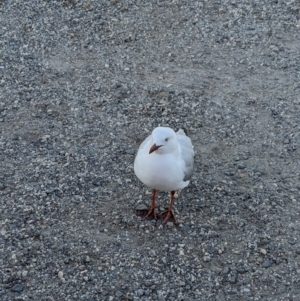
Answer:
(168, 216)
(148, 214)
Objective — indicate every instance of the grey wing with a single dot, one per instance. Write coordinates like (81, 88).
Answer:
(187, 153)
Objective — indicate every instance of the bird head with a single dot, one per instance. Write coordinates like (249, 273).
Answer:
(164, 141)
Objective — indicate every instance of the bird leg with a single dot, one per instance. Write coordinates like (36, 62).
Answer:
(168, 214)
(151, 213)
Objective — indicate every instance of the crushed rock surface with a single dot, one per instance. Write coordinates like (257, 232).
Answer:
(83, 83)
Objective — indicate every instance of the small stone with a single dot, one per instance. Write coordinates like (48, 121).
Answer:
(96, 182)
(225, 271)
(141, 207)
(60, 274)
(17, 288)
(87, 259)
(241, 166)
(259, 260)
(267, 263)
(86, 278)
(140, 292)
(24, 273)
(118, 294)
(152, 253)
(2, 186)
(185, 228)
(2, 232)
(291, 241)
(241, 270)
(206, 258)
(232, 279)
(263, 251)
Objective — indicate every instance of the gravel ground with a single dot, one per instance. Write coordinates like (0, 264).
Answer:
(83, 83)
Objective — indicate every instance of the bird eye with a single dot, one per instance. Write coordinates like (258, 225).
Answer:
(167, 139)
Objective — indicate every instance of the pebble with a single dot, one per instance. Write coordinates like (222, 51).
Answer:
(140, 292)
(263, 251)
(96, 182)
(241, 270)
(141, 207)
(152, 253)
(232, 279)
(267, 263)
(87, 259)
(60, 274)
(206, 258)
(118, 294)
(292, 241)
(17, 288)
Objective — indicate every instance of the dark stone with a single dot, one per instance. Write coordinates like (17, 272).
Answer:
(185, 228)
(229, 173)
(96, 182)
(291, 241)
(225, 271)
(267, 263)
(232, 279)
(17, 288)
(241, 270)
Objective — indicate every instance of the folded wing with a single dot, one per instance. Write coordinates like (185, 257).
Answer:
(186, 150)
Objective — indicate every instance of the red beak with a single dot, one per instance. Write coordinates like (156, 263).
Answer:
(154, 147)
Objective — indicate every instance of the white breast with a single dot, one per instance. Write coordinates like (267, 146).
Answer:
(157, 171)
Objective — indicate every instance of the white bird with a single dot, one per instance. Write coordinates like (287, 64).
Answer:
(165, 161)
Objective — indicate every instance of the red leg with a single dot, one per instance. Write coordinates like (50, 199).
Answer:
(168, 214)
(151, 213)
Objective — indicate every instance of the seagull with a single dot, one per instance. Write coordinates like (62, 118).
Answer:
(165, 162)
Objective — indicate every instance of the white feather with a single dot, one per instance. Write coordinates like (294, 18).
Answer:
(170, 167)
